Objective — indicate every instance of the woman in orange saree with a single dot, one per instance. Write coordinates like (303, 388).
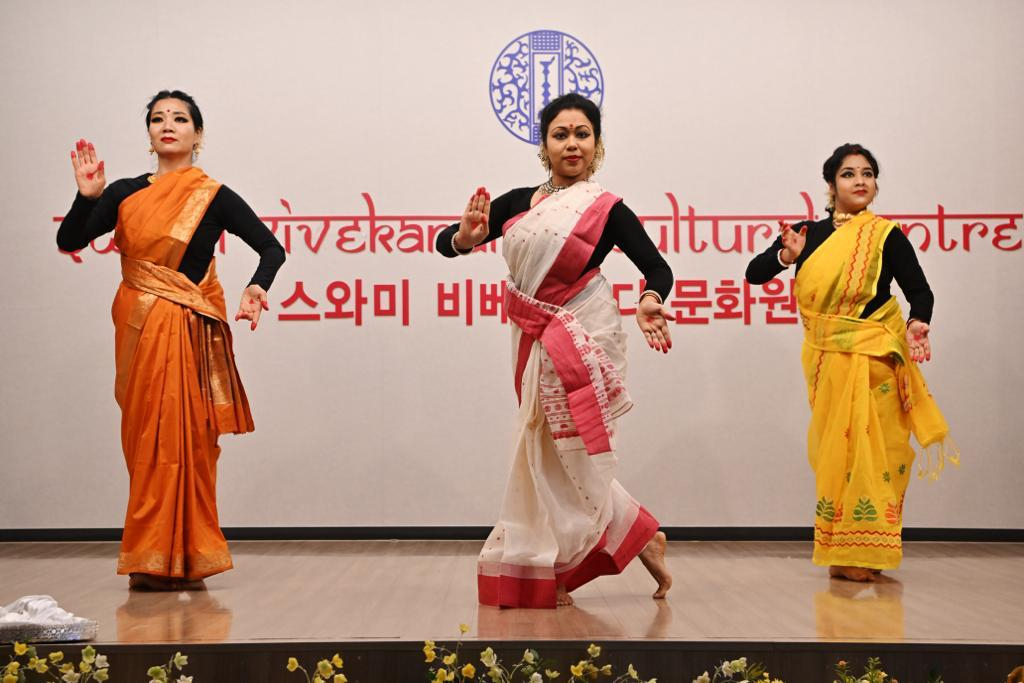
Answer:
(860, 360)
(176, 380)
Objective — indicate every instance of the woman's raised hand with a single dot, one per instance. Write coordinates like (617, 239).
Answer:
(653, 319)
(89, 172)
(254, 302)
(917, 340)
(473, 228)
(792, 241)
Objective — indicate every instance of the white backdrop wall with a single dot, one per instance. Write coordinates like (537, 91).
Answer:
(729, 107)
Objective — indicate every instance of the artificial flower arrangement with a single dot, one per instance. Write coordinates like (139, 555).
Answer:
(92, 666)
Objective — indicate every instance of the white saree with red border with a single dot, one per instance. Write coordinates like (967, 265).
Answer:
(564, 520)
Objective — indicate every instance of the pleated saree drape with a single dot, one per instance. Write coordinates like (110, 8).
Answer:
(176, 383)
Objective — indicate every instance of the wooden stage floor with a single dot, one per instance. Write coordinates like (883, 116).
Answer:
(337, 591)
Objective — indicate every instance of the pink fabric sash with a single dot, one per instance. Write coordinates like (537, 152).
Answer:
(574, 356)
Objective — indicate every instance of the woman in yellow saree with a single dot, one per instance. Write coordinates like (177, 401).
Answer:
(176, 381)
(866, 392)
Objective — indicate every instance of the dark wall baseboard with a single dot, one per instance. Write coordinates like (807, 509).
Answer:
(479, 533)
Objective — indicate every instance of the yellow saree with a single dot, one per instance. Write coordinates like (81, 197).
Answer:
(177, 384)
(866, 398)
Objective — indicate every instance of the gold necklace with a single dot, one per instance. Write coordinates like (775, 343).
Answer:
(841, 219)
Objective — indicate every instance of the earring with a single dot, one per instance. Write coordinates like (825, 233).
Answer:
(195, 151)
(595, 163)
(544, 160)
(151, 150)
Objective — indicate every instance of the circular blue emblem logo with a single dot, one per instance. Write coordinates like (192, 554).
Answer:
(534, 69)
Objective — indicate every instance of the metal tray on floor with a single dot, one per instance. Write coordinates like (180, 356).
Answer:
(24, 632)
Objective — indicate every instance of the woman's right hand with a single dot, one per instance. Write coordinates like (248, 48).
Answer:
(89, 172)
(792, 241)
(474, 228)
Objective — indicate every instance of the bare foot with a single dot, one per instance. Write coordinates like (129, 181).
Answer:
(153, 582)
(862, 574)
(653, 557)
(562, 597)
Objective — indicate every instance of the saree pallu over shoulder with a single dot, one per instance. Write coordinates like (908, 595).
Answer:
(176, 383)
(867, 396)
(581, 389)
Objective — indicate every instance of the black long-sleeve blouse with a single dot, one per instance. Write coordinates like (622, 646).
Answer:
(88, 219)
(623, 230)
(899, 261)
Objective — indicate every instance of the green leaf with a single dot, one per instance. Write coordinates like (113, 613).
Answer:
(825, 509)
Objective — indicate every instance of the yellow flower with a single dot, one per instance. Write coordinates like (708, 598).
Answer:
(41, 667)
(594, 651)
(293, 664)
(463, 628)
(488, 658)
(340, 678)
(13, 666)
(89, 654)
(101, 675)
(551, 674)
(84, 666)
(20, 649)
(441, 676)
(430, 654)
(469, 671)
(337, 661)
(428, 643)
(450, 659)
(528, 657)
(606, 669)
(10, 678)
(56, 656)
(324, 668)
(632, 673)
(576, 669)
(66, 667)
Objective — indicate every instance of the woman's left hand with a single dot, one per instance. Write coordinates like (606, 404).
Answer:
(254, 302)
(653, 321)
(917, 340)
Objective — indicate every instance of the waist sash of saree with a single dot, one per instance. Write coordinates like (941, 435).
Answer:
(881, 336)
(578, 363)
(211, 336)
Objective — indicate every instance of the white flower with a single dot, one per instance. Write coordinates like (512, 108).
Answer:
(101, 662)
(703, 678)
(528, 656)
(71, 677)
(488, 658)
(739, 665)
(536, 678)
(184, 679)
(727, 669)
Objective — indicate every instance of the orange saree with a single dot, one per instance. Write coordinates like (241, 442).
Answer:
(176, 383)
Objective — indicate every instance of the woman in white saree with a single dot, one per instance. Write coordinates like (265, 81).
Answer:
(565, 520)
